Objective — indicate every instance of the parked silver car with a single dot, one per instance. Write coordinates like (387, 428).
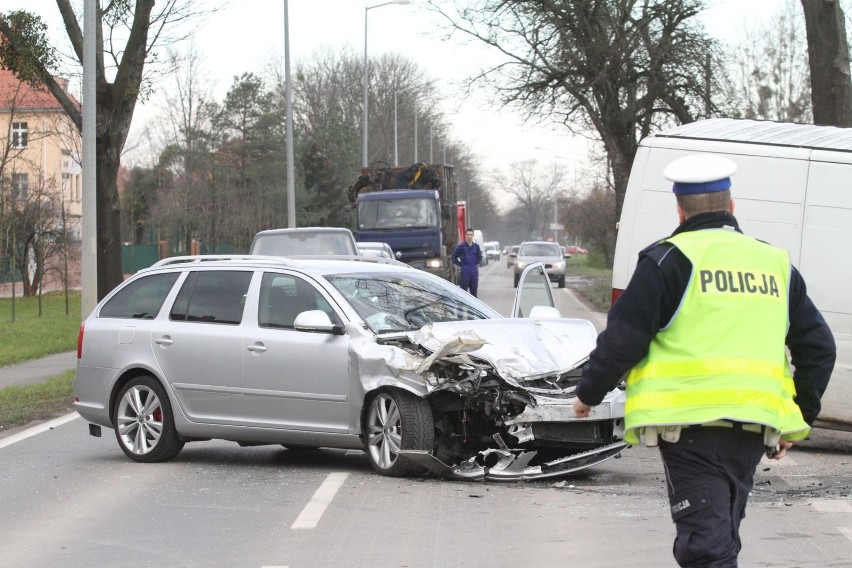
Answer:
(549, 254)
(367, 354)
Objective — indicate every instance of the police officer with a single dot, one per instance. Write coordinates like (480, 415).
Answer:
(701, 331)
(467, 256)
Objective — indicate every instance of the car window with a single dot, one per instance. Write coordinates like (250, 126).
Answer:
(533, 291)
(540, 249)
(392, 302)
(140, 299)
(309, 243)
(283, 297)
(212, 296)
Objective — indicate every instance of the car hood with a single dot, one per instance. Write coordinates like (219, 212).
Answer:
(517, 348)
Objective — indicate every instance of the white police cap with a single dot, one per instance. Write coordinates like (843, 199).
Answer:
(700, 173)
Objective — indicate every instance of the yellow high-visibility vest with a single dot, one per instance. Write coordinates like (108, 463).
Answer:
(722, 356)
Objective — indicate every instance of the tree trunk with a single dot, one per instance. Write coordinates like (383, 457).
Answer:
(828, 56)
(108, 218)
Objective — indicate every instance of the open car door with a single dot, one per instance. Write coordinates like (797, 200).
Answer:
(534, 292)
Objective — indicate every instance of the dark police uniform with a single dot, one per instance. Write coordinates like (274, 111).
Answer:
(710, 469)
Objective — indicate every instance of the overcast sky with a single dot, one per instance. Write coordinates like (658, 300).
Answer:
(245, 33)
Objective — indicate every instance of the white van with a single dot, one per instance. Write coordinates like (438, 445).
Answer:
(793, 189)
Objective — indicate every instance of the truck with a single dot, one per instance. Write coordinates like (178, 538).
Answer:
(413, 209)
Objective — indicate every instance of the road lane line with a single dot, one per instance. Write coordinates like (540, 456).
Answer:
(313, 511)
(847, 531)
(831, 506)
(30, 432)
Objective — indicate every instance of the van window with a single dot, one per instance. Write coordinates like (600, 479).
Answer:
(141, 299)
(214, 296)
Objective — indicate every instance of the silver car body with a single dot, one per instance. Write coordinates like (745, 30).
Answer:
(310, 386)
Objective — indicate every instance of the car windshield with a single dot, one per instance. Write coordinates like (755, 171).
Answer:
(386, 214)
(394, 302)
(304, 243)
(540, 249)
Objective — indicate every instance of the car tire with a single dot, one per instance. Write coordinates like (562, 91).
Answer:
(395, 420)
(561, 283)
(517, 279)
(144, 423)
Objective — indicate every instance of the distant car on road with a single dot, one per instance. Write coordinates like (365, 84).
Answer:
(383, 250)
(548, 253)
(305, 241)
(491, 250)
(576, 250)
(510, 258)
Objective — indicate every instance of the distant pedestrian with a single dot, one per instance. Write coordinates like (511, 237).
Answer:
(702, 331)
(467, 256)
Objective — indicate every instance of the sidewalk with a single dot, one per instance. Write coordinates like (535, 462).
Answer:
(38, 370)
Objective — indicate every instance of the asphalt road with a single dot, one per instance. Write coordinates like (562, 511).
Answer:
(68, 499)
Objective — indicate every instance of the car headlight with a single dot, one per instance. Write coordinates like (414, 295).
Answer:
(520, 264)
(559, 265)
(434, 263)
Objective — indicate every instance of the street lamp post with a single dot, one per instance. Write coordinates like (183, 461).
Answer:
(396, 121)
(364, 126)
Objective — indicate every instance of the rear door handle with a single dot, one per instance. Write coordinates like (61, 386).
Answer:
(165, 340)
(257, 348)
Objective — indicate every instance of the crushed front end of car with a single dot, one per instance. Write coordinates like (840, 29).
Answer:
(501, 393)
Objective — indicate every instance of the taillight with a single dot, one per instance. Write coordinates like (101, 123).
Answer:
(616, 292)
(80, 341)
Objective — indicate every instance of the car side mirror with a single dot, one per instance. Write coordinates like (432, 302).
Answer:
(316, 321)
(544, 312)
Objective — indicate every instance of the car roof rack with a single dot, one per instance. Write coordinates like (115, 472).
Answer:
(289, 261)
(196, 259)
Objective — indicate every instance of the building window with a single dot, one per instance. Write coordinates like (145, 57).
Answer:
(20, 183)
(19, 134)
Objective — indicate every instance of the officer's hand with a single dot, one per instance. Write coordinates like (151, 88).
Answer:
(783, 446)
(581, 409)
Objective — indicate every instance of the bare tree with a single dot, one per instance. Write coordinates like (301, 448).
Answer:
(770, 78)
(828, 56)
(127, 35)
(534, 189)
(589, 217)
(620, 68)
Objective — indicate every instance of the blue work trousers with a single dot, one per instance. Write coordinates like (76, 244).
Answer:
(469, 279)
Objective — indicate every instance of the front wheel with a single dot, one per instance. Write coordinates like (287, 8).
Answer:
(561, 283)
(144, 424)
(397, 420)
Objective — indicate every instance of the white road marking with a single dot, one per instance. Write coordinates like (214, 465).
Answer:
(831, 506)
(312, 513)
(30, 432)
(847, 531)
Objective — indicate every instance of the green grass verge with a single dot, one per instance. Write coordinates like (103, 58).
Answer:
(23, 404)
(31, 336)
(595, 286)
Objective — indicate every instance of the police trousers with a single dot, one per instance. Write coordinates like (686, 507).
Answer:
(709, 474)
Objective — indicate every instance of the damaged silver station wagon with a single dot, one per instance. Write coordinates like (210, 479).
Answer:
(362, 353)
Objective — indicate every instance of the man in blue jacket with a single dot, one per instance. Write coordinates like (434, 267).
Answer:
(467, 256)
